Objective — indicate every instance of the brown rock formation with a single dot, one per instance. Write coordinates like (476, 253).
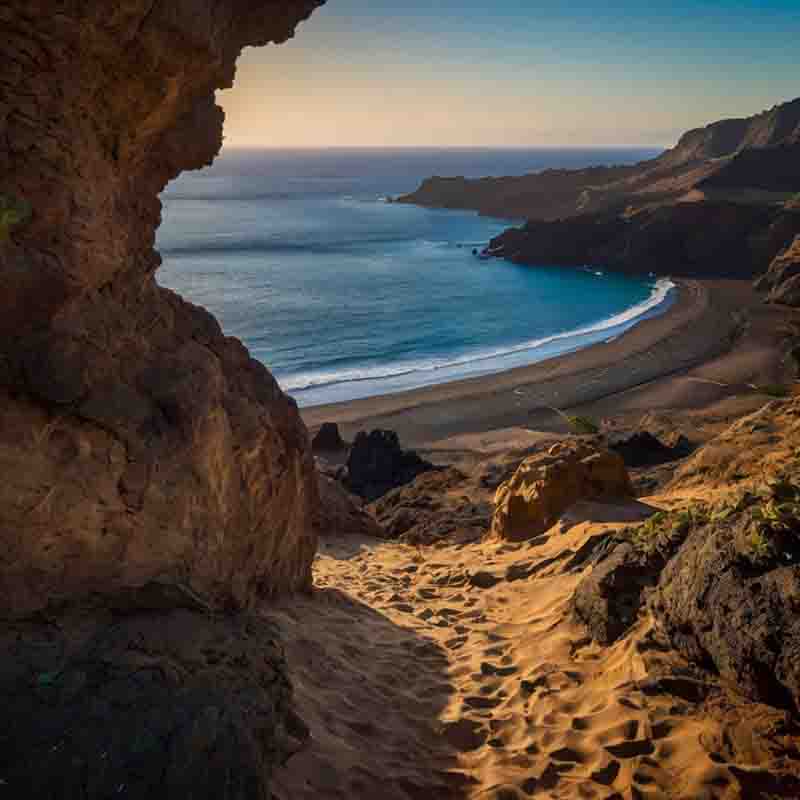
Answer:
(341, 512)
(136, 441)
(782, 280)
(147, 460)
(547, 484)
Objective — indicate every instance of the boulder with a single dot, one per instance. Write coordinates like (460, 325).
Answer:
(328, 439)
(607, 601)
(377, 464)
(435, 506)
(642, 449)
(730, 602)
(547, 484)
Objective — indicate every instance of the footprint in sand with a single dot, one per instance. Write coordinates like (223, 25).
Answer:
(643, 747)
(478, 702)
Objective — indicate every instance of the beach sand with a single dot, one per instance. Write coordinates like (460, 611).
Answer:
(457, 670)
(716, 331)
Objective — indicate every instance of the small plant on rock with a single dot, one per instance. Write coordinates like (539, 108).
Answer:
(661, 532)
(776, 390)
(13, 212)
(581, 426)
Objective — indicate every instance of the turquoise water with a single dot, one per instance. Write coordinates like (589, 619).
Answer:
(343, 295)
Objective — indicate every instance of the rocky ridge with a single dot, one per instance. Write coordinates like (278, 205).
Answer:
(718, 204)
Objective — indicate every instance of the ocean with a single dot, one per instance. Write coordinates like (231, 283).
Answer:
(343, 295)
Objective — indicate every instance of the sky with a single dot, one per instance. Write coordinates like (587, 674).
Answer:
(514, 73)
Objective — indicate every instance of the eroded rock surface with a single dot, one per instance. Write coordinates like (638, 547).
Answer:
(341, 512)
(137, 442)
(724, 606)
(436, 506)
(782, 280)
(547, 484)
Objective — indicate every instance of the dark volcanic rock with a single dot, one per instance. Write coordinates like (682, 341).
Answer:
(174, 705)
(137, 442)
(377, 464)
(607, 601)
(722, 239)
(724, 609)
(642, 449)
(328, 439)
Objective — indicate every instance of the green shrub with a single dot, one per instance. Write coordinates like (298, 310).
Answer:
(13, 212)
(661, 531)
(772, 390)
(583, 425)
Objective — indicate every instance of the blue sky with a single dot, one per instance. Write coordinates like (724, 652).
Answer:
(379, 72)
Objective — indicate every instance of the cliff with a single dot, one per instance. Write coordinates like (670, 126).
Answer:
(759, 152)
(150, 466)
(720, 239)
(550, 194)
(718, 204)
(138, 442)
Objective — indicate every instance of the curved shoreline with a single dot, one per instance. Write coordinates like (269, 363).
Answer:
(700, 325)
(419, 374)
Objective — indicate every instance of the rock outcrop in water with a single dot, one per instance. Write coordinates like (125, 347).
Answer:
(152, 471)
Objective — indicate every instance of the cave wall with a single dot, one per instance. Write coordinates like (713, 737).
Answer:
(137, 443)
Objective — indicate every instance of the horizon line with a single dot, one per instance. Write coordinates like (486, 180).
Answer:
(450, 147)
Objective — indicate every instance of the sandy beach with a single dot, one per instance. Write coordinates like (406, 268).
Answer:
(717, 332)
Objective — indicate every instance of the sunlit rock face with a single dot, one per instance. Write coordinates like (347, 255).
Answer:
(137, 442)
(782, 279)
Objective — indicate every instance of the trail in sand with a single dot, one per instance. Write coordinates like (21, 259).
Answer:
(459, 672)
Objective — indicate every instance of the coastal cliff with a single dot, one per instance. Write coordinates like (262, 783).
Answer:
(718, 204)
(761, 152)
(151, 467)
(708, 239)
